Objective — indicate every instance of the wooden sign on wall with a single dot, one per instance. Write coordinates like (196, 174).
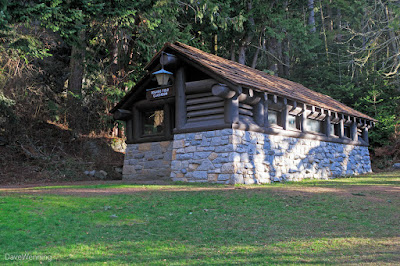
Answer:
(159, 93)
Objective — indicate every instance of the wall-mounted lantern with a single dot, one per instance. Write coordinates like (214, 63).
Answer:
(162, 75)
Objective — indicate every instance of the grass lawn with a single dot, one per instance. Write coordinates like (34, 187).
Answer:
(341, 221)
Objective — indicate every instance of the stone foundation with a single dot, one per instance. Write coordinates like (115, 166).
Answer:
(148, 161)
(237, 156)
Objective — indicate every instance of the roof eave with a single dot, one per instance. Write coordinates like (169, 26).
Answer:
(124, 99)
(150, 64)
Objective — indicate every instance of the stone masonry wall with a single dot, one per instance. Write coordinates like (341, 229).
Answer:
(148, 161)
(237, 156)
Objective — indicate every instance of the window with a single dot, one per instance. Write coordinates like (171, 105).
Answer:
(272, 117)
(153, 122)
(347, 132)
(313, 125)
(292, 122)
(335, 128)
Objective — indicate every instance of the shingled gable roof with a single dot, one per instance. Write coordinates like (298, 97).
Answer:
(247, 77)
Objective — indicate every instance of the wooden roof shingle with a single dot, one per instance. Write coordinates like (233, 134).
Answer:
(248, 77)
(258, 80)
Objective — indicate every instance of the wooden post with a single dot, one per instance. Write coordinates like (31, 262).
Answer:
(328, 124)
(266, 123)
(303, 118)
(258, 111)
(129, 133)
(284, 117)
(365, 135)
(180, 98)
(136, 124)
(275, 99)
(285, 114)
(167, 120)
(235, 109)
(341, 127)
(354, 134)
(231, 112)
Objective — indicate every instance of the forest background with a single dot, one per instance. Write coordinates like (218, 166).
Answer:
(65, 64)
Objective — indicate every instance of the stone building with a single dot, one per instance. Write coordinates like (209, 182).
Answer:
(197, 117)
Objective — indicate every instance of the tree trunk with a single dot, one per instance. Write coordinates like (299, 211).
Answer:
(76, 70)
(285, 47)
(112, 80)
(323, 30)
(330, 16)
(364, 30)
(393, 41)
(286, 58)
(311, 18)
(233, 57)
(247, 38)
(339, 19)
(242, 52)
(279, 57)
(392, 34)
(132, 40)
(122, 52)
(339, 36)
(255, 58)
(74, 106)
(272, 47)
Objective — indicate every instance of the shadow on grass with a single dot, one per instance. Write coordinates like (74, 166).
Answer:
(227, 255)
(387, 179)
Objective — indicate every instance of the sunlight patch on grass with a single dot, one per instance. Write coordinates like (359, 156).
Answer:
(384, 179)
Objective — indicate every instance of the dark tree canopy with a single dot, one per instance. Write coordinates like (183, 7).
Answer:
(71, 61)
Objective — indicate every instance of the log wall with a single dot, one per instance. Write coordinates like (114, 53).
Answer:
(202, 105)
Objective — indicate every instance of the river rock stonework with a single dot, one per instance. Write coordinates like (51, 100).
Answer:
(243, 157)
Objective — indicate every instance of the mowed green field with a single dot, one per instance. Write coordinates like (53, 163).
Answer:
(341, 221)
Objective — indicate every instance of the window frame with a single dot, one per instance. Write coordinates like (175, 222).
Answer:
(138, 135)
(335, 130)
(270, 111)
(297, 123)
(321, 126)
(347, 131)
